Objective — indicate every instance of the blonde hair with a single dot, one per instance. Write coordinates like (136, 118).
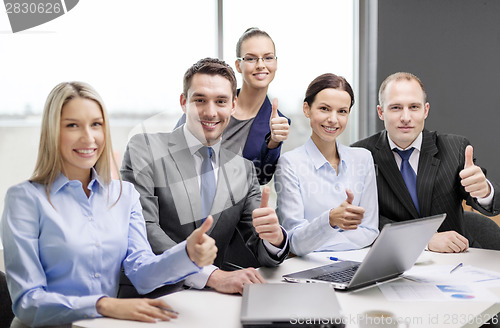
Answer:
(49, 163)
(398, 77)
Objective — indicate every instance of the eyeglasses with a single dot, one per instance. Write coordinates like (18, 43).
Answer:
(254, 60)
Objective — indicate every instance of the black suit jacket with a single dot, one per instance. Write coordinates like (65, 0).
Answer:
(439, 190)
(162, 169)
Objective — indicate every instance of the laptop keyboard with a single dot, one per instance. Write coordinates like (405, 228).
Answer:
(342, 276)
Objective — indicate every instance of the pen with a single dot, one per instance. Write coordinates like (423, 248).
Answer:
(333, 258)
(168, 310)
(459, 265)
(234, 266)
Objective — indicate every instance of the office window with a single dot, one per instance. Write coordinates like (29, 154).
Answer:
(311, 38)
(136, 52)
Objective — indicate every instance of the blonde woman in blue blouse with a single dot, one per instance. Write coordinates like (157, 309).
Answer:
(69, 229)
(327, 192)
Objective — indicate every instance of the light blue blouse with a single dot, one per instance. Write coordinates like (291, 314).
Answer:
(308, 187)
(61, 259)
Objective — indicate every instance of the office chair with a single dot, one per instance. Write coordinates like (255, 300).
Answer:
(6, 314)
(483, 230)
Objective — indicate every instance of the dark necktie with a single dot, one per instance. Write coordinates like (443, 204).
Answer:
(208, 187)
(408, 174)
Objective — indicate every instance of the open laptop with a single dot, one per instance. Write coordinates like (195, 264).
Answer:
(394, 251)
(290, 305)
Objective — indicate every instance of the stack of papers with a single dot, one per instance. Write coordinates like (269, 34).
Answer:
(436, 283)
(466, 274)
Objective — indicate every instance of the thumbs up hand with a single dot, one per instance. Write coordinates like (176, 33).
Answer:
(265, 221)
(473, 178)
(264, 200)
(201, 247)
(279, 127)
(350, 196)
(346, 216)
(469, 157)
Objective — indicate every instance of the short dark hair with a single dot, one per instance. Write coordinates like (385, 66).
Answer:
(325, 81)
(249, 33)
(210, 66)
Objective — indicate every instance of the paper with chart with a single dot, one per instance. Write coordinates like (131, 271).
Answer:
(402, 290)
(443, 283)
(464, 275)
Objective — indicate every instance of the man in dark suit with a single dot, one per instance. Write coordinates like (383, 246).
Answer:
(442, 165)
(173, 173)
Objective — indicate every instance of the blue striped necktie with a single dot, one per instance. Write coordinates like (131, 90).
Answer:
(408, 174)
(208, 187)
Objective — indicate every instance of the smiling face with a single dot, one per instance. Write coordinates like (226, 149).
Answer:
(259, 74)
(403, 111)
(208, 105)
(328, 115)
(81, 138)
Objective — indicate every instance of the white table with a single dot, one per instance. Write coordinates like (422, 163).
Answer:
(210, 309)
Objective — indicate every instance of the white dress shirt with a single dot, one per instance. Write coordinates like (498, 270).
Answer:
(199, 280)
(308, 187)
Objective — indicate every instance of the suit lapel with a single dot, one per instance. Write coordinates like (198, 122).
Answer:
(184, 162)
(386, 165)
(232, 182)
(427, 169)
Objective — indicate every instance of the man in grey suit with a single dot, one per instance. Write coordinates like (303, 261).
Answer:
(442, 165)
(170, 172)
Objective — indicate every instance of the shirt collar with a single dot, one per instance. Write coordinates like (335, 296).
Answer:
(417, 143)
(194, 144)
(62, 181)
(95, 180)
(319, 159)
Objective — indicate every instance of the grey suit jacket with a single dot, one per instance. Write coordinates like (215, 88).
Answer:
(162, 169)
(439, 190)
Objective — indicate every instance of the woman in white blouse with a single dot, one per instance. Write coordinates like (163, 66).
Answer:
(327, 192)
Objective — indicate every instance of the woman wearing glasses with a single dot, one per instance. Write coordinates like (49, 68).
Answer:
(257, 129)
(69, 229)
(327, 192)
